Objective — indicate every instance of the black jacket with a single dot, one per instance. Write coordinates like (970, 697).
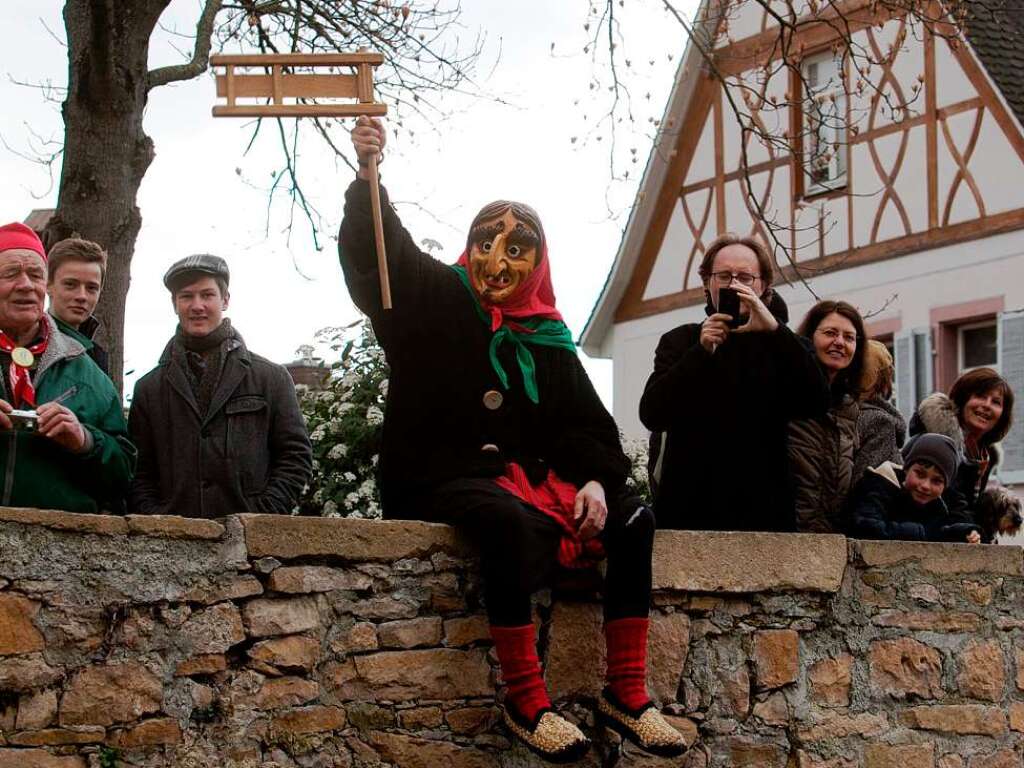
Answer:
(880, 508)
(250, 453)
(937, 413)
(725, 464)
(436, 423)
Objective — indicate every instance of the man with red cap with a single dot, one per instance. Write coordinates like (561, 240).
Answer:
(493, 426)
(63, 438)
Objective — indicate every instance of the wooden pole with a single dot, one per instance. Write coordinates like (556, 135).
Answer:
(378, 231)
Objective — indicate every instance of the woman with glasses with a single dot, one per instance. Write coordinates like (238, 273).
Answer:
(822, 448)
(722, 392)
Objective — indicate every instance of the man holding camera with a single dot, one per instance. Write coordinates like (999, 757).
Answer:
(77, 268)
(63, 438)
(218, 427)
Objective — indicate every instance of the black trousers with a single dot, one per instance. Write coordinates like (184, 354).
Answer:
(518, 546)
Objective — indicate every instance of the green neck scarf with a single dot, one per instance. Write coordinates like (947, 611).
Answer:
(539, 330)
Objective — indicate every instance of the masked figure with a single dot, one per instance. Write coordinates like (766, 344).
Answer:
(492, 425)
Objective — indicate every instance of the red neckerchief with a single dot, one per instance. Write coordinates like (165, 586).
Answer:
(22, 389)
(534, 298)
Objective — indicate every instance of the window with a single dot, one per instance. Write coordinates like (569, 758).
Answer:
(824, 116)
(977, 346)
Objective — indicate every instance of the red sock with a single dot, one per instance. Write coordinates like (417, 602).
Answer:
(520, 668)
(627, 660)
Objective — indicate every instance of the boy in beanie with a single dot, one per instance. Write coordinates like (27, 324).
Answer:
(905, 503)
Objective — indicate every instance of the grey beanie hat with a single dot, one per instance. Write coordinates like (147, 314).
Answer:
(938, 450)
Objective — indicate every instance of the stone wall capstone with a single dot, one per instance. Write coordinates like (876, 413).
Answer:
(276, 642)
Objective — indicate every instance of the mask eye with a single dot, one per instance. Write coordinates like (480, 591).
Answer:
(486, 246)
(514, 251)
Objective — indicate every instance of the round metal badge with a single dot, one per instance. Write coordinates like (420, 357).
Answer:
(22, 357)
(493, 400)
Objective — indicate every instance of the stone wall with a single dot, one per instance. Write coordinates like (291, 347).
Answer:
(262, 641)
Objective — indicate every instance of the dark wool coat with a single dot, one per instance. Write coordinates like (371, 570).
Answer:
(821, 451)
(436, 423)
(725, 464)
(881, 432)
(880, 508)
(937, 413)
(249, 453)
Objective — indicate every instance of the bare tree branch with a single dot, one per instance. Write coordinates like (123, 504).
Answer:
(200, 56)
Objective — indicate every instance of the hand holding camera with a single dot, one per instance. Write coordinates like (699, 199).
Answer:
(50, 420)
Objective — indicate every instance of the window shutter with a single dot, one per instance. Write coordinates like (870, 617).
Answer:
(924, 382)
(1011, 363)
(906, 378)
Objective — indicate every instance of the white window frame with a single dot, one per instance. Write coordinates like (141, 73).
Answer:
(833, 91)
(960, 367)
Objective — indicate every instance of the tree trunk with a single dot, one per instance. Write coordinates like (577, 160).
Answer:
(106, 151)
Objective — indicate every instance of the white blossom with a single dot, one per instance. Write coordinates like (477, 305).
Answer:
(349, 477)
(384, 387)
(338, 451)
(330, 509)
(374, 416)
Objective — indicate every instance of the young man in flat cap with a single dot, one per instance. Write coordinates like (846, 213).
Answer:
(218, 427)
(63, 439)
(493, 426)
(77, 269)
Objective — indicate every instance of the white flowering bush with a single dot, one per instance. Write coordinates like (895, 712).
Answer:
(639, 481)
(345, 423)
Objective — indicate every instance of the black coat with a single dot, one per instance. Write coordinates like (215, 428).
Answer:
(436, 423)
(880, 508)
(725, 464)
(250, 453)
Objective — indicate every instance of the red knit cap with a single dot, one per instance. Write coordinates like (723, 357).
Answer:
(17, 235)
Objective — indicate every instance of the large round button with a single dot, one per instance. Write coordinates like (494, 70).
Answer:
(493, 399)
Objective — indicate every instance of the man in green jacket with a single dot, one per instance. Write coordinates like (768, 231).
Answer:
(63, 437)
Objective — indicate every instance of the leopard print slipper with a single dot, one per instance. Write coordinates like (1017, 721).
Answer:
(645, 727)
(552, 737)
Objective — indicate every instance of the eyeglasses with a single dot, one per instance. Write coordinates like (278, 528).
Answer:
(743, 278)
(834, 333)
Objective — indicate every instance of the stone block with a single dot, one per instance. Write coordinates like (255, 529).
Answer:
(809, 760)
(441, 674)
(304, 579)
(116, 693)
(362, 636)
(957, 718)
(38, 758)
(829, 681)
(149, 733)
(412, 752)
(981, 673)
(735, 687)
(1018, 655)
(469, 721)
(744, 753)
(230, 587)
(951, 761)
(214, 630)
(903, 668)
(410, 633)
(18, 633)
(294, 652)
(776, 658)
(931, 621)
(285, 692)
(1016, 714)
(774, 710)
(264, 617)
(907, 756)
(719, 561)
(978, 593)
(466, 631)
(365, 716)
(56, 737)
(306, 720)
(940, 558)
(1001, 758)
(23, 673)
(833, 725)
(421, 718)
(174, 527)
(103, 525)
(37, 710)
(207, 664)
(348, 539)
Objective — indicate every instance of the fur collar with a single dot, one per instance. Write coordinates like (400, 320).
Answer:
(937, 413)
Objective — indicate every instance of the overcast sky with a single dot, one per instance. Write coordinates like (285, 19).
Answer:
(202, 194)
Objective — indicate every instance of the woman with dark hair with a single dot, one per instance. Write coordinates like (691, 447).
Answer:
(722, 392)
(821, 448)
(976, 414)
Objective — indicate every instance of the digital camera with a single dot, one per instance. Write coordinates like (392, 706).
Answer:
(24, 420)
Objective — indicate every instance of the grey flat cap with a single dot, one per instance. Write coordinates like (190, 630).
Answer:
(203, 263)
